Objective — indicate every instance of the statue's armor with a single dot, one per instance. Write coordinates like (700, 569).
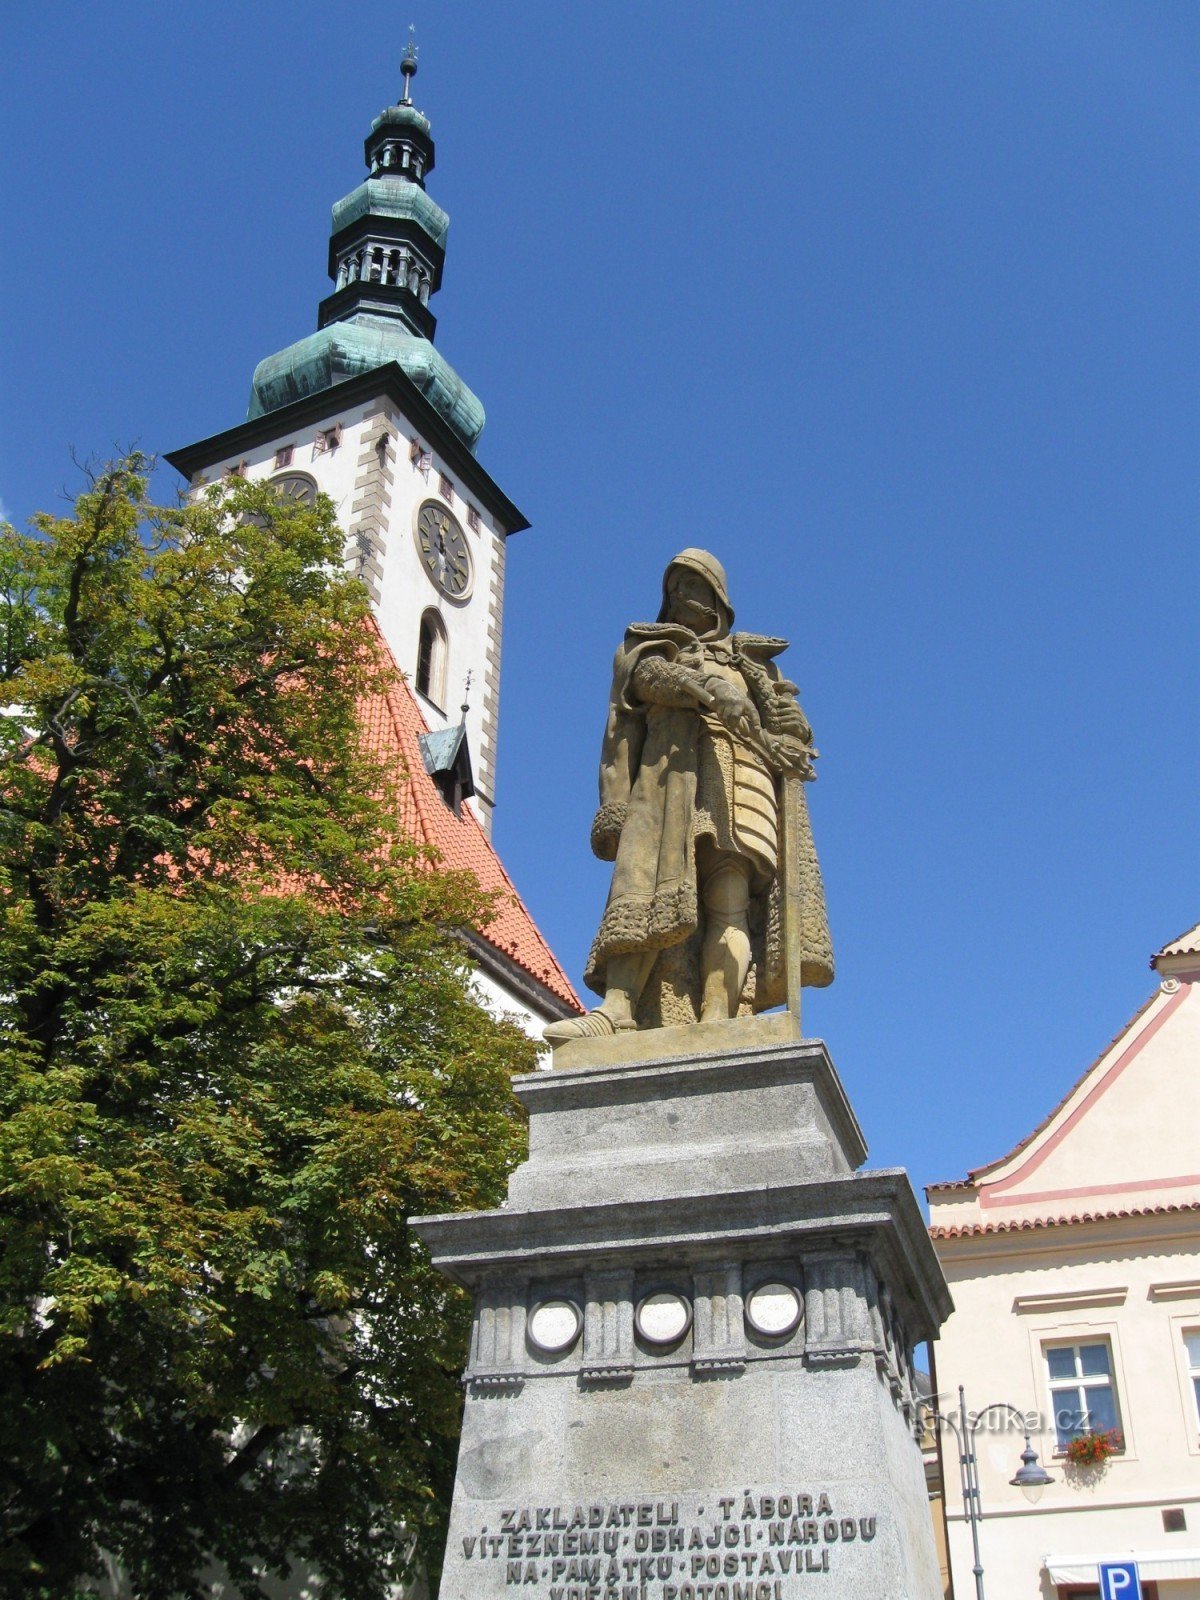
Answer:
(735, 799)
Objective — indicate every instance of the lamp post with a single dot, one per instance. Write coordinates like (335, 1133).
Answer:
(1031, 1476)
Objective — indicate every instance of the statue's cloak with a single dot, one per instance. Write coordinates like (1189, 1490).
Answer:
(648, 823)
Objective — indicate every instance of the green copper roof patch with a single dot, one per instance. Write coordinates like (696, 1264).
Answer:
(392, 197)
(345, 350)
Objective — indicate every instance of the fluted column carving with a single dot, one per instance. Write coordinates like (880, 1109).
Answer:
(718, 1326)
(497, 1335)
(836, 1309)
(607, 1326)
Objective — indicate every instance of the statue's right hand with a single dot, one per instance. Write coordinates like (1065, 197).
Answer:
(735, 709)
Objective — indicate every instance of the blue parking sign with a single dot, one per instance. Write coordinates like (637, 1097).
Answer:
(1119, 1581)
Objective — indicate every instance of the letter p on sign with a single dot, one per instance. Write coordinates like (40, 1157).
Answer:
(1119, 1581)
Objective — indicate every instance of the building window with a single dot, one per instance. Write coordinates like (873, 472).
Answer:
(1191, 1345)
(473, 519)
(1082, 1396)
(445, 488)
(283, 456)
(237, 470)
(421, 458)
(327, 440)
(431, 658)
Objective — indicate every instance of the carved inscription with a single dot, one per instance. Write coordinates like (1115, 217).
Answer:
(751, 1546)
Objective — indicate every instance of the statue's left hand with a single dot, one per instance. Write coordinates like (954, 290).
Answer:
(787, 718)
(793, 756)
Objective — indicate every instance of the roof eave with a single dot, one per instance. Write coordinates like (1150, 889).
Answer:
(389, 379)
(499, 965)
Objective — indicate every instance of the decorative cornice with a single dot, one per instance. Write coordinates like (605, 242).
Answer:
(1182, 1289)
(1071, 1300)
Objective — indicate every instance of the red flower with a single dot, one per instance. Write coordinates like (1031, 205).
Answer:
(1092, 1449)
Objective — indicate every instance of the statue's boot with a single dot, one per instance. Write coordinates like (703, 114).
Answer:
(626, 977)
(594, 1025)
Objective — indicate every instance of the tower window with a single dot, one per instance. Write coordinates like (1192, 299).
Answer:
(327, 439)
(445, 488)
(283, 456)
(473, 519)
(431, 658)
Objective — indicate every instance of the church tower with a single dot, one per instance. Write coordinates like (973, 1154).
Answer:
(367, 411)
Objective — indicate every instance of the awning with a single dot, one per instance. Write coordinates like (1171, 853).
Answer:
(1161, 1565)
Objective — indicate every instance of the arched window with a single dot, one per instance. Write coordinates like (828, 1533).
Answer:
(431, 658)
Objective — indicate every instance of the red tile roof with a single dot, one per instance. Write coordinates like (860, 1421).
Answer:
(968, 1230)
(392, 723)
(1187, 944)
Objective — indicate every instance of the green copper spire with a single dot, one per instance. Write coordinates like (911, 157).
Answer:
(386, 252)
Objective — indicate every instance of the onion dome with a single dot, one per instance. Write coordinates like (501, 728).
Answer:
(387, 248)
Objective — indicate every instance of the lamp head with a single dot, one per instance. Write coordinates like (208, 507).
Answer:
(1031, 1476)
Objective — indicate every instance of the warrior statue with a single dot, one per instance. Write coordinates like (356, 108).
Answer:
(700, 781)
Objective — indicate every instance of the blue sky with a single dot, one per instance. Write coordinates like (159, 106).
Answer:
(892, 305)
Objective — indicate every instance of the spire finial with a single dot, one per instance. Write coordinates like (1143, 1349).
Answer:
(408, 65)
(466, 705)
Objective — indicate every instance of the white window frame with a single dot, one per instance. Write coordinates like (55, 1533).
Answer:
(1192, 1359)
(1046, 1329)
(1182, 1324)
(1080, 1382)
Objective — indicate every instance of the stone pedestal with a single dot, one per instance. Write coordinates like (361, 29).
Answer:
(691, 1364)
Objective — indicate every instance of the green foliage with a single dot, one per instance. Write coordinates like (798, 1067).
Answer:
(237, 1049)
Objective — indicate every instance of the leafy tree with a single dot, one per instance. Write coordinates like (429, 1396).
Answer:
(237, 1049)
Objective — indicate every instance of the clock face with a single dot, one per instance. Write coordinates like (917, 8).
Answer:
(297, 488)
(442, 546)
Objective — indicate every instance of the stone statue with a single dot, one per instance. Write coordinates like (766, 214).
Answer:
(701, 774)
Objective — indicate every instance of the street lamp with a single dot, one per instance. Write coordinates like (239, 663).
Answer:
(1031, 1476)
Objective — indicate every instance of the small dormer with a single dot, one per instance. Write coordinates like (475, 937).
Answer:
(448, 762)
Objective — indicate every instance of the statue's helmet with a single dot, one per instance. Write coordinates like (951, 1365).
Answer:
(713, 573)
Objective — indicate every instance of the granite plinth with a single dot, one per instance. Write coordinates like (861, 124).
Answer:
(725, 1463)
(763, 1114)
